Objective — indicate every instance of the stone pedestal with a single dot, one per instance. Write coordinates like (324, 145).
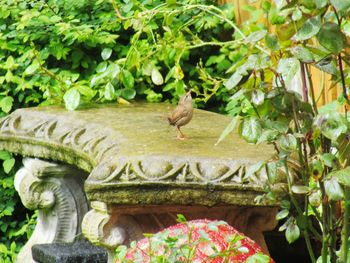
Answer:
(56, 191)
(80, 251)
(136, 175)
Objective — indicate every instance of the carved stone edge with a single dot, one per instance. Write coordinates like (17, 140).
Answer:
(54, 138)
(125, 169)
(57, 192)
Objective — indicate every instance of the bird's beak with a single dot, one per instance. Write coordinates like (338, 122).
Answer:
(189, 92)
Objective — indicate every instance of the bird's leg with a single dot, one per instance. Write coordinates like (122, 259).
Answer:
(180, 135)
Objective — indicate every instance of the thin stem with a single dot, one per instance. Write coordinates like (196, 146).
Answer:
(309, 247)
(233, 25)
(45, 70)
(346, 228)
(317, 214)
(317, 235)
(53, 11)
(303, 78)
(332, 232)
(212, 43)
(311, 88)
(345, 93)
(292, 198)
(306, 233)
(325, 212)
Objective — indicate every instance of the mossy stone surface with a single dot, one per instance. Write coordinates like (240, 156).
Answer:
(133, 156)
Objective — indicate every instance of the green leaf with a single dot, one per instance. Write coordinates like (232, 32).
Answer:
(272, 172)
(171, 2)
(109, 91)
(316, 168)
(329, 67)
(233, 80)
(229, 128)
(346, 28)
(275, 18)
(181, 218)
(256, 36)
(272, 42)
(288, 67)
(258, 258)
(106, 53)
(297, 14)
(128, 94)
(8, 165)
(331, 37)
(340, 5)
(101, 67)
(282, 214)
(343, 176)
(4, 155)
(329, 107)
(309, 29)
(300, 189)
(285, 204)
(268, 136)
(3, 248)
(72, 99)
(302, 221)
(292, 233)
(288, 142)
(331, 125)
(250, 129)
(204, 235)
(156, 77)
(333, 189)
(321, 3)
(303, 54)
(254, 168)
(31, 69)
(128, 79)
(258, 97)
(329, 160)
(6, 104)
(280, 126)
(315, 199)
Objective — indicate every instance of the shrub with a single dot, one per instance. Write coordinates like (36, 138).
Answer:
(194, 241)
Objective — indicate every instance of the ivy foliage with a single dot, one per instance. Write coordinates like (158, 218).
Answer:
(75, 52)
(16, 224)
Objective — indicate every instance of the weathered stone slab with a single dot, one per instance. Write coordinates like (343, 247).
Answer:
(129, 148)
(78, 252)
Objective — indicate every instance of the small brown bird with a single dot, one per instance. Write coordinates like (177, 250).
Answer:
(182, 114)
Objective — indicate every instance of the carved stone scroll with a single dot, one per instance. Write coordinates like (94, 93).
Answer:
(56, 191)
(107, 230)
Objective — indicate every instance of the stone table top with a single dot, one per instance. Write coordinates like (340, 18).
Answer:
(132, 155)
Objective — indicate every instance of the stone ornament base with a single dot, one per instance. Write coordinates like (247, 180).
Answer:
(78, 251)
(111, 225)
(57, 192)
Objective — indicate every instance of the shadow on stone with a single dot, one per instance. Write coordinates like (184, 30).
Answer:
(80, 251)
